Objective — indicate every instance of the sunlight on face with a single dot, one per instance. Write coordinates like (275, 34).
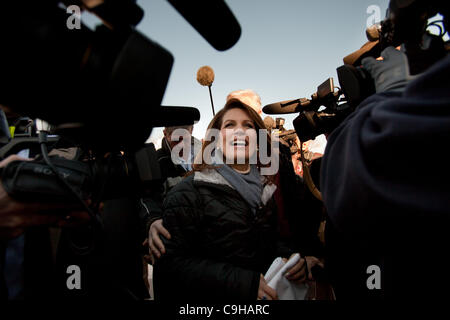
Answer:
(238, 136)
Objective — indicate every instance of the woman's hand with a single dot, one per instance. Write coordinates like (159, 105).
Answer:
(264, 291)
(298, 271)
(301, 271)
(311, 262)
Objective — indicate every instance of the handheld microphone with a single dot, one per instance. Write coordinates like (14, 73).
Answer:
(287, 106)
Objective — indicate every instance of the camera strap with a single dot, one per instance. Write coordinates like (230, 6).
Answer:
(307, 176)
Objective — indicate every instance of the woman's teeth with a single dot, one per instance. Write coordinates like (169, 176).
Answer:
(239, 143)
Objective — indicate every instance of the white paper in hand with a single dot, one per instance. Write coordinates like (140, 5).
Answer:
(286, 290)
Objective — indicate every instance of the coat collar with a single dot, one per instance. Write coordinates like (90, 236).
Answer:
(213, 177)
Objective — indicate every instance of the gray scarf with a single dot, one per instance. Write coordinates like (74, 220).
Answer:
(249, 185)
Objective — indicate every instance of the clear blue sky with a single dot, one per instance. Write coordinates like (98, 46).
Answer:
(287, 48)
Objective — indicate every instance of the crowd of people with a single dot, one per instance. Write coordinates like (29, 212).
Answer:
(217, 217)
(224, 224)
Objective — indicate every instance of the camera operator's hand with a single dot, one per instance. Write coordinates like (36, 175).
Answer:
(391, 73)
(156, 247)
(16, 216)
(264, 291)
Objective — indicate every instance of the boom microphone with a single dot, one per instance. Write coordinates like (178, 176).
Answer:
(213, 19)
(205, 76)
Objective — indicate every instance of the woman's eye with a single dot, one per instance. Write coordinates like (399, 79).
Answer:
(228, 125)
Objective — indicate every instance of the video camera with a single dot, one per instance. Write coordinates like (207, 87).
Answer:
(101, 90)
(405, 24)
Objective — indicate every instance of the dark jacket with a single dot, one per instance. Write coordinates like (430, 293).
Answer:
(301, 213)
(168, 168)
(150, 206)
(387, 195)
(218, 247)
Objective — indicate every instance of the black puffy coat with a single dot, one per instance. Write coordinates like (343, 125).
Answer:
(218, 247)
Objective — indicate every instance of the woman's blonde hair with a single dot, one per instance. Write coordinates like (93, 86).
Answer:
(249, 97)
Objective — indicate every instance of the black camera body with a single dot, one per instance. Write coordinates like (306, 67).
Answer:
(328, 107)
(104, 85)
(314, 121)
(101, 90)
(101, 179)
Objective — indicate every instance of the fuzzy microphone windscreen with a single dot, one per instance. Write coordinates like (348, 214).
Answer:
(205, 76)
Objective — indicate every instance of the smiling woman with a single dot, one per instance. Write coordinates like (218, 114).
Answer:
(222, 220)
(235, 137)
(238, 139)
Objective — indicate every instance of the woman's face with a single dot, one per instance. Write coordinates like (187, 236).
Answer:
(238, 137)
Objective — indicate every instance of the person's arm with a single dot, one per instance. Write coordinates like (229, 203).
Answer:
(373, 176)
(151, 222)
(184, 272)
(306, 217)
(150, 210)
(301, 209)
